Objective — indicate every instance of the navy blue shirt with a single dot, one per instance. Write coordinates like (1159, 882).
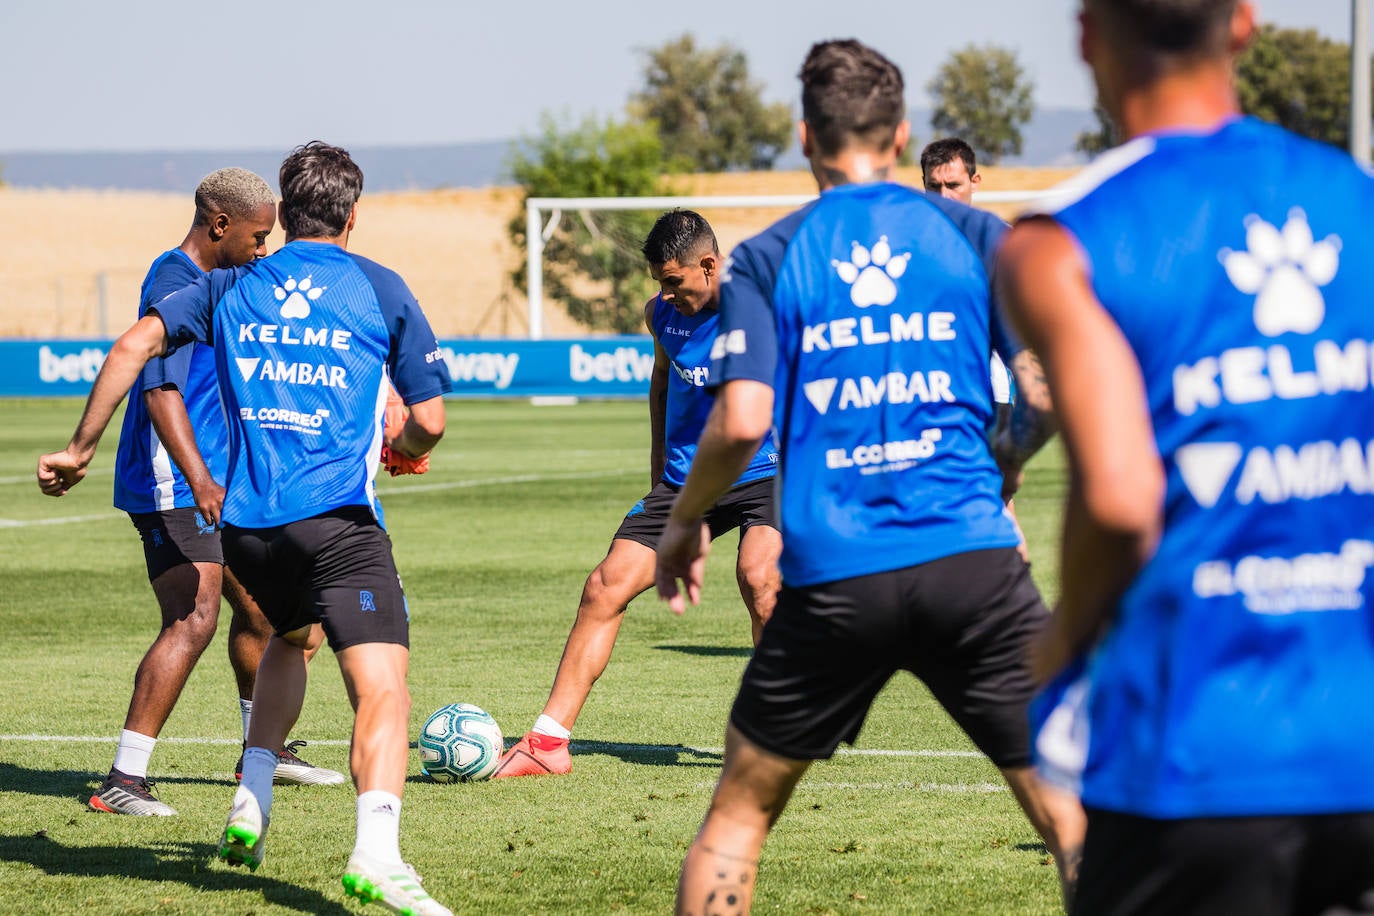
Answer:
(146, 477)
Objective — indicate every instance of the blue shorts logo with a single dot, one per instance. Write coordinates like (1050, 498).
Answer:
(365, 602)
(157, 537)
(635, 509)
(202, 526)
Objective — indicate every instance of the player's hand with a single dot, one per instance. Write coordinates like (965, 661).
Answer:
(393, 422)
(209, 497)
(397, 464)
(58, 472)
(682, 554)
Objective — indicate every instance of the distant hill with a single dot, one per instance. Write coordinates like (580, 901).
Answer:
(386, 168)
(1048, 138)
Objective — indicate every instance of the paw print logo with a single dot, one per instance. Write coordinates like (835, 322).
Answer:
(1285, 267)
(296, 297)
(870, 272)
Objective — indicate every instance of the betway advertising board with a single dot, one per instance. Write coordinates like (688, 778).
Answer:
(591, 367)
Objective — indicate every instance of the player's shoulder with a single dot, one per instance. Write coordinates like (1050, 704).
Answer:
(170, 271)
(388, 283)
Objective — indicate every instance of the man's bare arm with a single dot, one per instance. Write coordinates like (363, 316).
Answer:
(423, 428)
(60, 471)
(1030, 424)
(1114, 512)
(167, 411)
(658, 404)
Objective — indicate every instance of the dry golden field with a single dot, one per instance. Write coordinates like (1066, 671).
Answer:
(59, 248)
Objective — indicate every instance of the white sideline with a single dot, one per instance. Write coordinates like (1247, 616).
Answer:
(387, 492)
(602, 746)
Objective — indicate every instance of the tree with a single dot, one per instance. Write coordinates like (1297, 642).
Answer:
(1100, 140)
(592, 262)
(711, 116)
(982, 95)
(1296, 78)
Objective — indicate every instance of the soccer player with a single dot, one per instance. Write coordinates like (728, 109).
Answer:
(950, 168)
(305, 342)
(173, 494)
(684, 259)
(860, 327)
(1209, 353)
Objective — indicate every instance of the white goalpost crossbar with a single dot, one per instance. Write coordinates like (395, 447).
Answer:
(537, 232)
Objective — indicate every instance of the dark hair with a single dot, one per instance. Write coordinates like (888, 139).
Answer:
(851, 95)
(319, 186)
(945, 151)
(676, 235)
(1172, 27)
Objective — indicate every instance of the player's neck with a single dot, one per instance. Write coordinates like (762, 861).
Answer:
(852, 167)
(1195, 100)
(340, 240)
(198, 247)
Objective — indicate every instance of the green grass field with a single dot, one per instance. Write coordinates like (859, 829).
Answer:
(494, 544)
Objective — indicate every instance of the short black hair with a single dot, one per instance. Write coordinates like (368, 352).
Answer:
(851, 95)
(319, 186)
(944, 151)
(1168, 27)
(677, 235)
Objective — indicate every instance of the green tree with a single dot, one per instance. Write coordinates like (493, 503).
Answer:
(711, 116)
(982, 95)
(1297, 78)
(1103, 138)
(592, 262)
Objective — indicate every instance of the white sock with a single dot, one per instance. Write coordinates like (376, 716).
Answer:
(131, 757)
(246, 711)
(547, 725)
(379, 826)
(258, 764)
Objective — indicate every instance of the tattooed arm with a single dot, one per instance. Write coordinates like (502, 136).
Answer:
(1027, 426)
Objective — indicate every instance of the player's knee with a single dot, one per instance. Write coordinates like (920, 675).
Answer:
(759, 579)
(602, 595)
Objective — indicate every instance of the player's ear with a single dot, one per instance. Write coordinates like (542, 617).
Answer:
(709, 263)
(1242, 27)
(901, 138)
(352, 218)
(804, 139)
(219, 225)
(976, 179)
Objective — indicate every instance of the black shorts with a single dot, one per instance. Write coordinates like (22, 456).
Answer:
(335, 569)
(745, 506)
(960, 623)
(1252, 865)
(176, 536)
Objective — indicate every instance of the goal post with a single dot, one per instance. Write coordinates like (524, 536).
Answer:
(538, 231)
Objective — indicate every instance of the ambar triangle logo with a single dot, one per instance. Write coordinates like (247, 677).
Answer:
(1206, 468)
(820, 392)
(247, 365)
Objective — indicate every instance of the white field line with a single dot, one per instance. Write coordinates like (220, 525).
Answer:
(385, 492)
(592, 746)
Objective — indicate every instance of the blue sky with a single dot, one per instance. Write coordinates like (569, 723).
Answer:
(180, 74)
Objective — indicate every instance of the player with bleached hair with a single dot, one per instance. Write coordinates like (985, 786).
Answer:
(308, 343)
(1208, 350)
(169, 470)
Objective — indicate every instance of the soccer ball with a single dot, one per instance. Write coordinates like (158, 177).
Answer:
(460, 743)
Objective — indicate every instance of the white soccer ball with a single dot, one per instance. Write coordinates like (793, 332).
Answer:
(460, 743)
